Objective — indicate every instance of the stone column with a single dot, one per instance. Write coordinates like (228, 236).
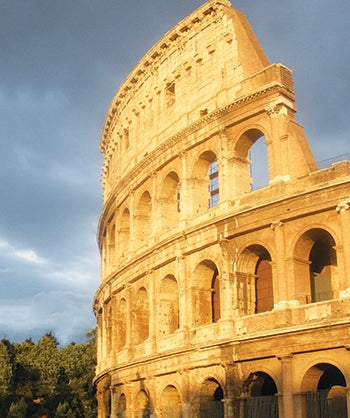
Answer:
(281, 291)
(186, 410)
(287, 386)
(242, 401)
(228, 407)
(185, 316)
(225, 285)
(129, 322)
(133, 232)
(113, 326)
(150, 341)
(185, 192)
(114, 402)
(343, 210)
(348, 399)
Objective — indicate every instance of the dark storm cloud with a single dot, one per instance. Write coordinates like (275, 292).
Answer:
(61, 62)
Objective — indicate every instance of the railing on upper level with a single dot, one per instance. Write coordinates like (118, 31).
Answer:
(329, 161)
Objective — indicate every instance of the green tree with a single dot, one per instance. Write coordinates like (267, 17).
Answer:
(7, 365)
(18, 409)
(43, 379)
(79, 362)
(64, 410)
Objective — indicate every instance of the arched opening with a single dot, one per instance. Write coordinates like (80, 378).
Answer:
(124, 233)
(215, 297)
(111, 238)
(324, 392)
(210, 399)
(141, 316)
(121, 324)
(143, 218)
(213, 184)
(121, 406)
(107, 402)
(251, 162)
(206, 293)
(170, 403)
(168, 310)
(170, 201)
(263, 284)
(316, 265)
(205, 183)
(259, 172)
(262, 401)
(143, 405)
(254, 280)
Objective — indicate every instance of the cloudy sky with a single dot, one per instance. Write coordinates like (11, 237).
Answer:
(61, 62)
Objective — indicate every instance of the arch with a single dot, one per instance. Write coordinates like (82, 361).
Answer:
(124, 233)
(121, 323)
(206, 293)
(210, 399)
(141, 316)
(170, 402)
(315, 264)
(143, 405)
(121, 406)
(261, 390)
(205, 182)
(243, 165)
(170, 200)
(255, 279)
(324, 391)
(143, 217)
(168, 308)
(110, 243)
(259, 172)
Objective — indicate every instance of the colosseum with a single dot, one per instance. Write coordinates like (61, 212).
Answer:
(225, 271)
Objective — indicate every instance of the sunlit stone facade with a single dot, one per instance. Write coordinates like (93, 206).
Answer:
(220, 295)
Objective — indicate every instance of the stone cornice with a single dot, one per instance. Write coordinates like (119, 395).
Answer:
(211, 12)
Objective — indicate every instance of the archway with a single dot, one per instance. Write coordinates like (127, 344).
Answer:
(168, 308)
(206, 293)
(210, 399)
(262, 401)
(255, 280)
(324, 392)
(170, 403)
(251, 162)
(143, 217)
(121, 324)
(143, 405)
(259, 172)
(121, 406)
(205, 183)
(316, 265)
(141, 316)
(124, 234)
(170, 201)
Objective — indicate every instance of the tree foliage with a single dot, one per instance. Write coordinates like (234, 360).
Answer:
(44, 380)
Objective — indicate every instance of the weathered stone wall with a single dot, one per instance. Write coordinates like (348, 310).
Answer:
(215, 295)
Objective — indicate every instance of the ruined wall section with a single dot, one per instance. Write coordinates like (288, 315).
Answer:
(193, 70)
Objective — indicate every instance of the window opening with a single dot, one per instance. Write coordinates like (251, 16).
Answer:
(213, 184)
(170, 94)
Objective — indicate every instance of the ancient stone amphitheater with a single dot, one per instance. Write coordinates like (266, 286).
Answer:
(225, 290)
